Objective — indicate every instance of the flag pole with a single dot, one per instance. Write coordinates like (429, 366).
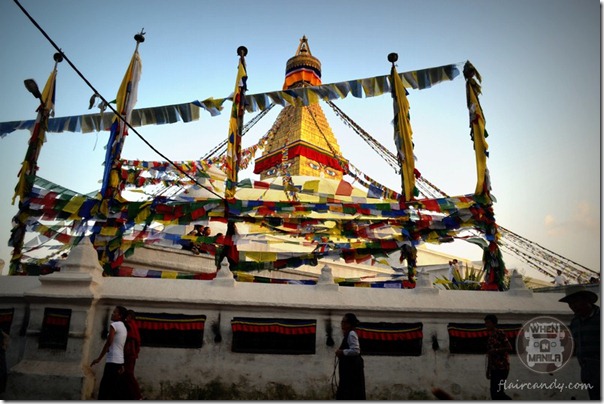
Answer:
(404, 146)
(27, 173)
(492, 259)
(125, 100)
(402, 131)
(110, 257)
(236, 126)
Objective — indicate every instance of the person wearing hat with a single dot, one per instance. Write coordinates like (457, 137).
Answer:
(585, 327)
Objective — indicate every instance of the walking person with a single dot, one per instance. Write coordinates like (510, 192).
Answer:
(350, 362)
(3, 368)
(131, 350)
(585, 327)
(112, 385)
(498, 361)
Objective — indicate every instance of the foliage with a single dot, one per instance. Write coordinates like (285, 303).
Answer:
(469, 279)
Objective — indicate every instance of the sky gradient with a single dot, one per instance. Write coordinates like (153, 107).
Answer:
(539, 61)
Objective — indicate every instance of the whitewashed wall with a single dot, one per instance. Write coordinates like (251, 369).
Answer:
(170, 373)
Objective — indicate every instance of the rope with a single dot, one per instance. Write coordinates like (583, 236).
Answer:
(551, 260)
(362, 178)
(118, 115)
(335, 154)
(425, 190)
(389, 157)
(246, 128)
(334, 377)
(433, 187)
(567, 261)
(283, 171)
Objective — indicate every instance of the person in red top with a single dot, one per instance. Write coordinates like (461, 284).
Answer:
(498, 361)
(131, 349)
(205, 246)
(228, 247)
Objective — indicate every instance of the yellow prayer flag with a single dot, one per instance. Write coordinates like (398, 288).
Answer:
(311, 186)
(244, 277)
(108, 231)
(357, 245)
(261, 256)
(169, 275)
(37, 139)
(235, 125)
(74, 204)
(477, 124)
(403, 135)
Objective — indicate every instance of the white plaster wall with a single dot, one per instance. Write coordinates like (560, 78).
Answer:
(309, 375)
(397, 377)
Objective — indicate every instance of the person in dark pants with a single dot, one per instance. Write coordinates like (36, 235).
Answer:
(113, 385)
(498, 361)
(585, 327)
(3, 369)
(351, 365)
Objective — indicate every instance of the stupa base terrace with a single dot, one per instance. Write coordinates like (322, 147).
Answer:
(224, 339)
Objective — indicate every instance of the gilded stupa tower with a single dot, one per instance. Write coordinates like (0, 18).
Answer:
(302, 142)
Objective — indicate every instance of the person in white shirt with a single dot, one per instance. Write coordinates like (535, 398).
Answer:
(113, 385)
(560, 280)
(450, 275)
(453, 271)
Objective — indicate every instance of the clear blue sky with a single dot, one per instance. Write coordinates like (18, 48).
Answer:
(539, 59)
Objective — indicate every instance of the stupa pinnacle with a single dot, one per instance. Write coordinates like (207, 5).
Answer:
(302, 142)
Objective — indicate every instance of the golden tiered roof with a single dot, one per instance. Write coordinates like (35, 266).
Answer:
(302, 142)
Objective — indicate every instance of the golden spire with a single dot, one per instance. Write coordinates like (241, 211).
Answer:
(302, 141)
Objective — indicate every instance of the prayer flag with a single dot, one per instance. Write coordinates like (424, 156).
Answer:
(235, 126)
(477, 127)
(38, 137)
(112, 250)
(344, 188)
(403, 135)
(125, 101)
(27, 173)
